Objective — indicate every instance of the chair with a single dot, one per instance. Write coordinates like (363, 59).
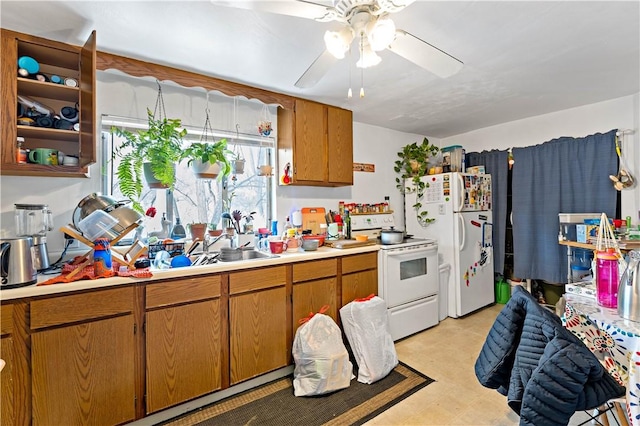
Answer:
(546, 373)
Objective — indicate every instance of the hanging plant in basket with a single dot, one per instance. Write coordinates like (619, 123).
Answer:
(158, 148)
(208, 158)
(411, 166)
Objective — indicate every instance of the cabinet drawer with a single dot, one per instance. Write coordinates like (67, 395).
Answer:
(257, 279)
(359, 262)
(313, 270)
(6, 319)
(181, 291)
(81, 307)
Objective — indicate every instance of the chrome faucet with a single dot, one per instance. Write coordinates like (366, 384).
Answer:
(208, 243)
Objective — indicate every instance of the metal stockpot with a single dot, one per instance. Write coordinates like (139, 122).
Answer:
(629, 289)
(391, 236)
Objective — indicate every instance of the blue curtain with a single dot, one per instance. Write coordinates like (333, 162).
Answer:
(565, 175)
(496, 164)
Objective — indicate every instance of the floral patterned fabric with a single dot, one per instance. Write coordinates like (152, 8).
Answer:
(613, 339)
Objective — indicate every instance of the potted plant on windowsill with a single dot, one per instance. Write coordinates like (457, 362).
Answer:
(412, 165)
(209, 160)
(157, 148)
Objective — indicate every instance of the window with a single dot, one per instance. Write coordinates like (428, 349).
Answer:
(199, 200)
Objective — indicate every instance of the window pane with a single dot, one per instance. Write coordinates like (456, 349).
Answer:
(202, 200)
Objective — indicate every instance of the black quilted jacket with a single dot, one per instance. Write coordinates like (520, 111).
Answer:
(545, 372)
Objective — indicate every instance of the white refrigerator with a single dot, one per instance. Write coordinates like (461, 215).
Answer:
(460, 203)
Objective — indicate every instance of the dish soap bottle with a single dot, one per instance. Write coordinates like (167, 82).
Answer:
(287, 226)
(178, 230)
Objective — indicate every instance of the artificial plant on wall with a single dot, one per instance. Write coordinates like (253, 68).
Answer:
(411, 166)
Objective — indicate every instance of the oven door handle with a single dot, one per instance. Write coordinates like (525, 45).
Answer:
(399, 252)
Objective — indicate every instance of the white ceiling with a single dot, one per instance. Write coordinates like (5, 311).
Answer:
(521, 58)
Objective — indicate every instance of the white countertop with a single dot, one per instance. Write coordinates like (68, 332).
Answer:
(284, 258)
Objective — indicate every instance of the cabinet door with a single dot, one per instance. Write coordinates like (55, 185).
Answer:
(340, 145)
(311, 296)
(6, 381)
(183, 353)
(84, 374)
(358, 285)
(87, 103)
(310, 148)
(54, 58)
(258, 330)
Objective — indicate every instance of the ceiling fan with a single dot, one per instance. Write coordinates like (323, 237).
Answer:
(367, 22)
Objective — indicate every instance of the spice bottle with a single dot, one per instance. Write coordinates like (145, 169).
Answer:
(21, 153)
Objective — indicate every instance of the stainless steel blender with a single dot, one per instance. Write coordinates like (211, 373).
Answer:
(35, 220)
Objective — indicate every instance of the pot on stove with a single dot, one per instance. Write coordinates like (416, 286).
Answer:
(391, 236)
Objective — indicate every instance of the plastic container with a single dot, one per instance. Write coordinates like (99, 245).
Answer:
(580, 273)
(582, 258)
(503, 292)
(102, 252)
(607, 279)
(97, 224)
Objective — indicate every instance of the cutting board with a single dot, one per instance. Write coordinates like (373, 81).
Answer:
(312, 217)
(345, 244)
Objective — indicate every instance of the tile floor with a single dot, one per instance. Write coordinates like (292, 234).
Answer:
(447, 353)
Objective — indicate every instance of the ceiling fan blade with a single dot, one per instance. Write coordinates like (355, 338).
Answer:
(298, 8)
(425, 55)
(317, 70)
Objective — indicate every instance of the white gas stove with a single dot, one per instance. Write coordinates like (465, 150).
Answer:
(372, 224)
(408, 276)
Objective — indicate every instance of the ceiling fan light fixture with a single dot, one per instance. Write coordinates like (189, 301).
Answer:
(368, 58)
(338, 42)
(380, 33)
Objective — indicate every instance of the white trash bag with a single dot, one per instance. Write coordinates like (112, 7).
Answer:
(322, 361)
(366, 326)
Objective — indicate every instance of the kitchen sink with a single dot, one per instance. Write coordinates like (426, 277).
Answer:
(250, 255)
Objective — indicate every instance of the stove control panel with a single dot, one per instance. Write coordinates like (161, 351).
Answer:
(371, 221)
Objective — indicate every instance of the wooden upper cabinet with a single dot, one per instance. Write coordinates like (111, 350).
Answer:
(340, 145)
(54, 58)
(318, 141)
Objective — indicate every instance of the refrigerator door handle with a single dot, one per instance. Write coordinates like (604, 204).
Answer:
(461, 192)
(462, 234)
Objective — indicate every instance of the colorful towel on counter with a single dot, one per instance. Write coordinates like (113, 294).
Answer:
(89, 273)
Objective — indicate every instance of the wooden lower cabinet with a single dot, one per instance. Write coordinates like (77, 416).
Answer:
(183, 342)
(314, 286)
(84, 374)
(6, 375)
(113, 355)
(359, 276)
(258, 322)
(83, 350)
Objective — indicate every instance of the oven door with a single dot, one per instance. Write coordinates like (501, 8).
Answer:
(408, 273)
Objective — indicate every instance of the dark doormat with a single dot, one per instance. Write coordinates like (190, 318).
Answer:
(274, 403)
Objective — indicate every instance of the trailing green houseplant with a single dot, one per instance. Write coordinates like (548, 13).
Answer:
(201, 154)
(412, 165)
(160, 145)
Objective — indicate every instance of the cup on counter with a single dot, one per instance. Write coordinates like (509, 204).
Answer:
(277, 246)
(43, 156)
(292, 244)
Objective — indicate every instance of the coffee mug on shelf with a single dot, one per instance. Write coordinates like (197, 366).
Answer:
(44, 156)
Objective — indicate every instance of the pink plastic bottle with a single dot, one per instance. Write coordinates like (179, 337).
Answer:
(607, 279)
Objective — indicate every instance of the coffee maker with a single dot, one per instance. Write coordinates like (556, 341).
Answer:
(35, 220)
